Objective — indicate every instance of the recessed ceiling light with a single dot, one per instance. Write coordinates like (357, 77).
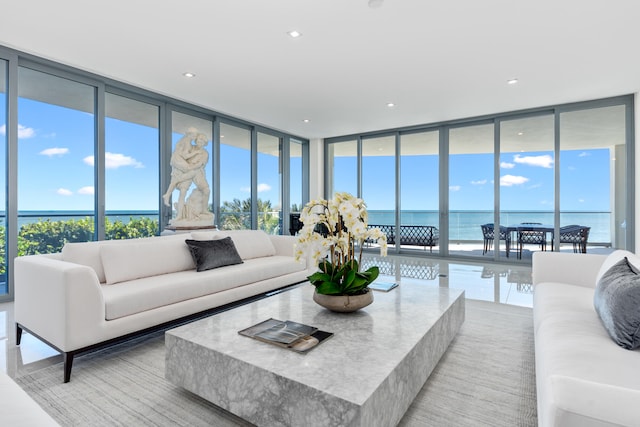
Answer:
(294, 33)
(188, 75)
(520, 133)
(390, 104)
(512, 81)
(306, 120)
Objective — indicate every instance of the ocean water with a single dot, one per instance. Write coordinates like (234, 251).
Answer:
(465, 225)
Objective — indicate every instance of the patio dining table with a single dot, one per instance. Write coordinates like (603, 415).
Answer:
(518, 228)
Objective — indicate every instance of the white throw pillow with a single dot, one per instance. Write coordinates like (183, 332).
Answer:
(145, 258)
(249, 243)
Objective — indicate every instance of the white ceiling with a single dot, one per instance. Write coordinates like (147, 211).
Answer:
(436, 60)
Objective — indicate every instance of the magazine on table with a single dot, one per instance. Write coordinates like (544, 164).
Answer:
(288, 334)
(383, 286)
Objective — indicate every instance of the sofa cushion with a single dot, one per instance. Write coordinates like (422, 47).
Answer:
(617, 302)
(210, 254)
(86, 253)
(135, 296)
(581, 373)
(249, 243)
(144, 258)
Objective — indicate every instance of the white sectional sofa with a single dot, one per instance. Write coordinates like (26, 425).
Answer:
(92, 293)
(583, 377)
(17, 409)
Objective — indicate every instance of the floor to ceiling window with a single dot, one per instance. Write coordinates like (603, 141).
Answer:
(132, 139)
(527, 183)
(342, 161)
(269, 188)
(419, 186)
(56, 155)
(379, 179)
(593, 183)
(471, 195)
(235, 177)
(296, 174)
(555, 178)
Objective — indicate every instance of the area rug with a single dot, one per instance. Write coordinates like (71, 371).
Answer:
(486, 378)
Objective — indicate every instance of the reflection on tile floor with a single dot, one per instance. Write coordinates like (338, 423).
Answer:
(500, 283)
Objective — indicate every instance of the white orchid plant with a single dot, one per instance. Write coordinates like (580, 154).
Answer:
(332, 231)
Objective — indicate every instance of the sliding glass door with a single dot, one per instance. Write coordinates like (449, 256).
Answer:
(419, 189)
(471, 195)
(593, 184)
(527, 184)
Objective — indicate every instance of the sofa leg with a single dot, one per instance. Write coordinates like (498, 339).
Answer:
(18, 334)
(68, 363)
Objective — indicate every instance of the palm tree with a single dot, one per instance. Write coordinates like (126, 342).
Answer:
(236, 215)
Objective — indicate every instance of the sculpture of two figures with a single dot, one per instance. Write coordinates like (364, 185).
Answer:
(188, 163)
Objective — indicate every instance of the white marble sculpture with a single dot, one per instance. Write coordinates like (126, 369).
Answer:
(188, 162)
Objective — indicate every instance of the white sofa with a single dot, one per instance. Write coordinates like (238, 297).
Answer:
(17, 409)
(94, 292)
(583, 377)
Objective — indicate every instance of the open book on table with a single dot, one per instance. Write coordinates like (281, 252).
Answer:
(288, 334)
(383, 286)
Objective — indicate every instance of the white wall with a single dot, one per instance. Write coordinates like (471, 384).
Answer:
(316, 169)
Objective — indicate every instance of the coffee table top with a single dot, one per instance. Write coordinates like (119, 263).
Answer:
(375, 339)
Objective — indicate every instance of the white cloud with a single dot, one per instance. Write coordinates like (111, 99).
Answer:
(584, 154)
(455, 188)
(23, 131)
(115, 160)
(506, 165)
(581, 200)
(544, 161)
(64, 192)
(479, 182)
(511, 180)
(87, 190)
(54, 151)
(263, 187)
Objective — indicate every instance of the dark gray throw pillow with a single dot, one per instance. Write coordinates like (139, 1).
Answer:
(617, 302)
(209, 254)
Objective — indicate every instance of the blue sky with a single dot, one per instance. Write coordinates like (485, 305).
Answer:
(56, 163)
(526, 181)
(56, 172)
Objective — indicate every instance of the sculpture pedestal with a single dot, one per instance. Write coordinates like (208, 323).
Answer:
(172, 229)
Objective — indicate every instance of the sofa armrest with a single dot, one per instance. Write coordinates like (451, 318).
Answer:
(578, 402)
(570, 268)
(18, 409)
(59, 301)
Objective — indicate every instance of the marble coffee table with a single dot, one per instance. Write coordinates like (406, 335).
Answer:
(367, 374)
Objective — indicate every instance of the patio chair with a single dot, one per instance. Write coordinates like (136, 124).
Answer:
(488, 237)
(295, 224)
(531, 236)
(576, 235)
